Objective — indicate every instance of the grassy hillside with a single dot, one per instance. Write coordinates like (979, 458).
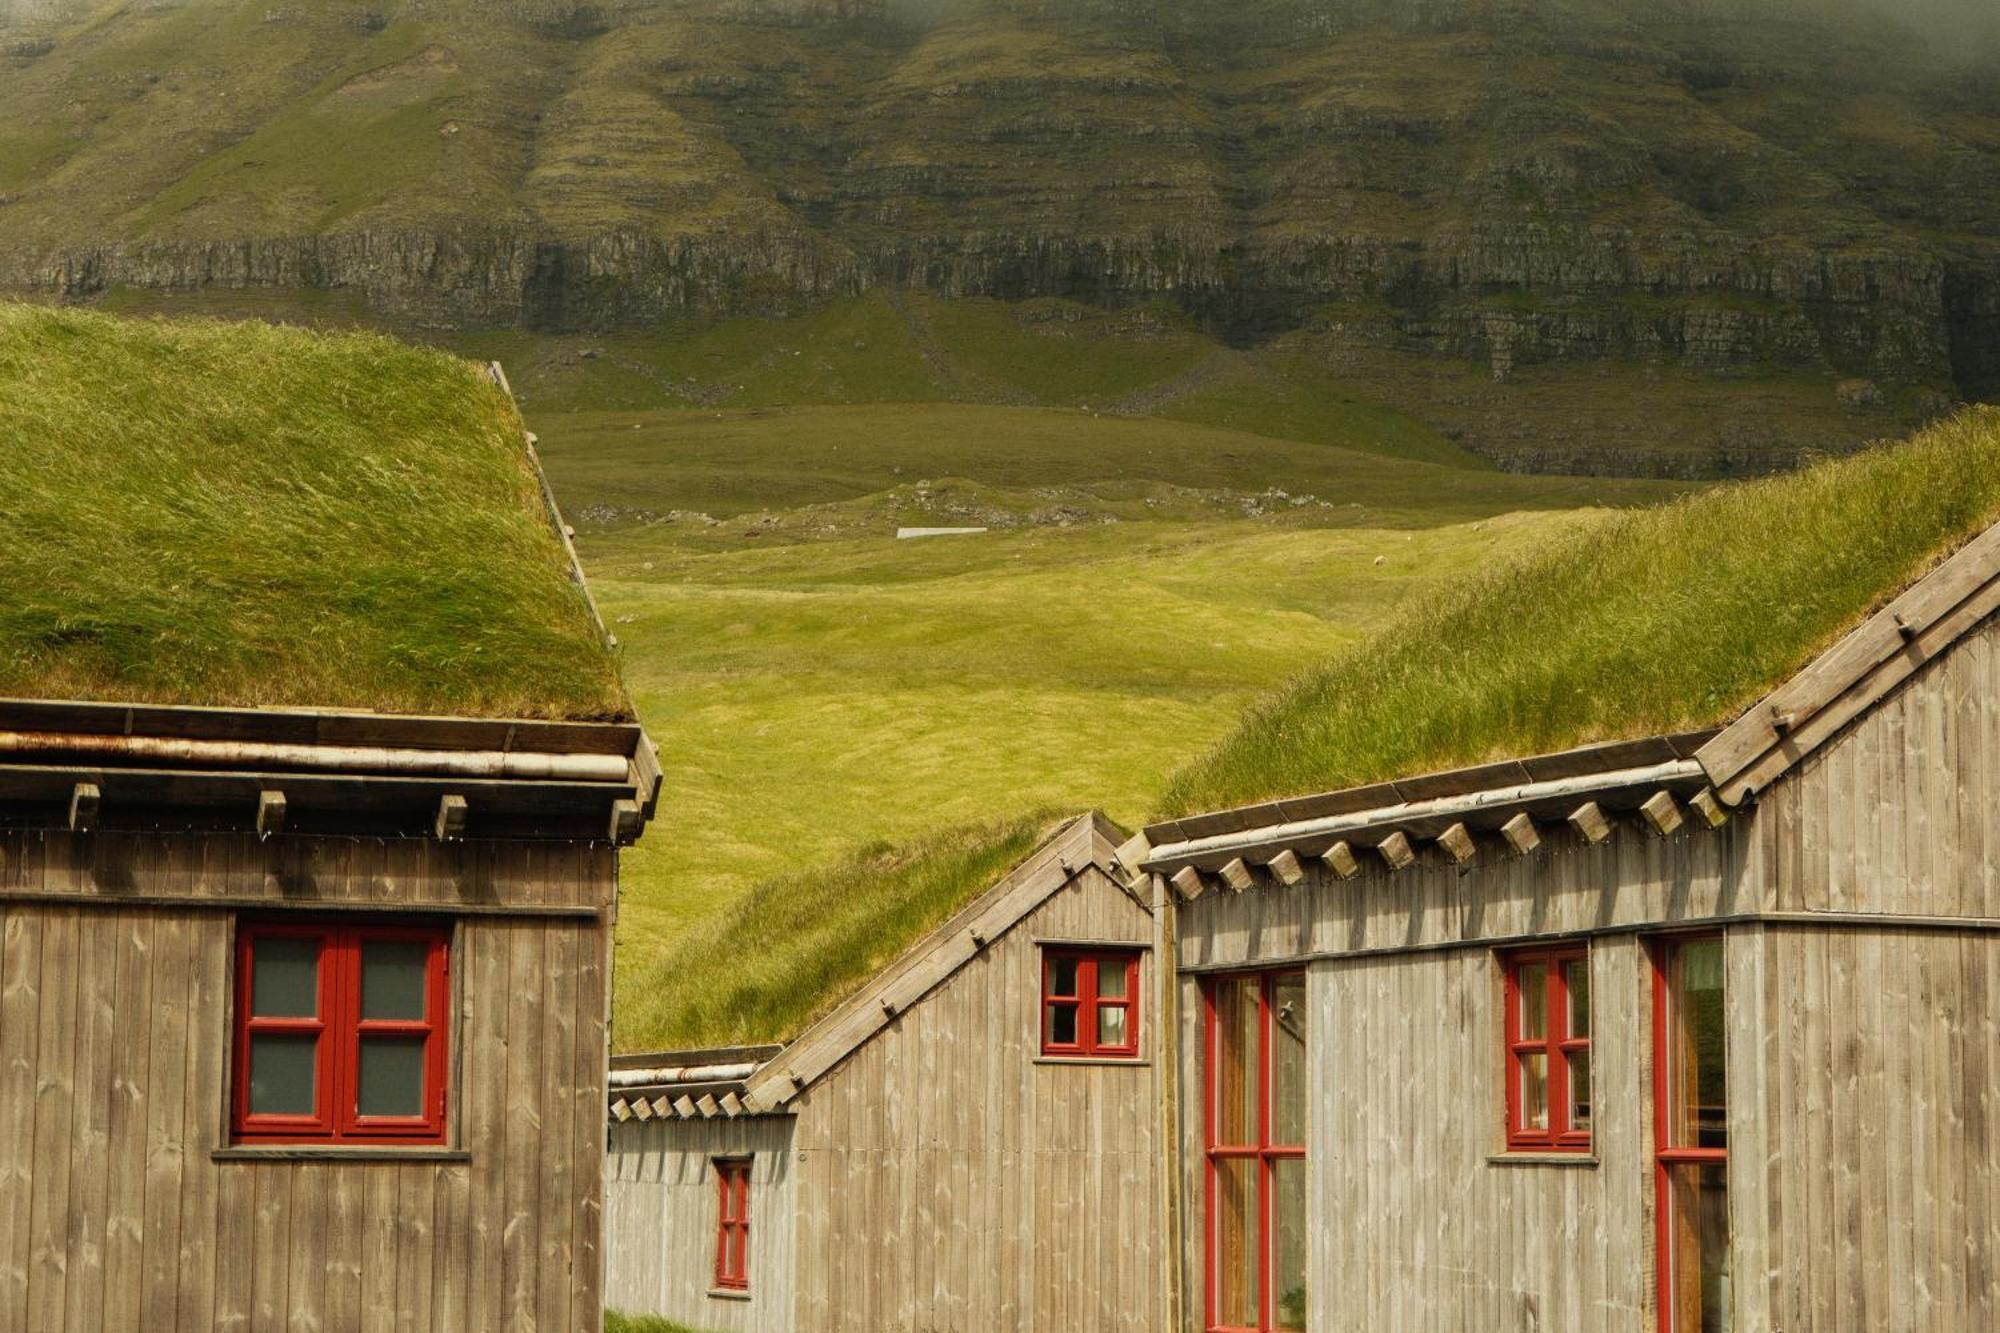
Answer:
(211, 513)
(1649, 622)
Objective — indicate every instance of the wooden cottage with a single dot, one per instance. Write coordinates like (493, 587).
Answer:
(1683, 1035)
(303, 1010)
(972, 1141)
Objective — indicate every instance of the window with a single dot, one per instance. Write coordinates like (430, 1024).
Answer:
(1090, 1003)
(1548, 1050)
(1691, 1136)
(1255, 1058)
(732, 1223)
(340, 1033)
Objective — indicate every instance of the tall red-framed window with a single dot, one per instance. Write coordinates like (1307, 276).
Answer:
(1254, 1057)
(1691, 1134)
(732, 1223)
(1090, 1003)
(341, 1032)
(1548, 1049)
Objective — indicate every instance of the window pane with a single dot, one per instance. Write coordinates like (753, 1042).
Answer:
(1534, 1090)
(1061, 1025)
(1698, 1203)
(1576, 979)
(284, 978)
(392, 1076)
(1111, 978)
(282, 1070)
(1579, 1090)
(1699, 1091)
(1062, 976)
(1235, 1076)
(1288, 1242)
(1288, 1060)
(1111, 1027)
(392, 979)
(1235, 1276)
(1533, 981)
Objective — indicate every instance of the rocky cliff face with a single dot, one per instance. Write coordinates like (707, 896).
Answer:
(1511, 182)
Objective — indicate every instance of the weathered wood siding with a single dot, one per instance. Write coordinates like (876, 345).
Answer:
(660, 1205)
(950, 1183)
(115, 965)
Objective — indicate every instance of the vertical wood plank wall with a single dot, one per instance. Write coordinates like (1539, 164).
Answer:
(114, 1040)
(948, 1181)
(660, 1221)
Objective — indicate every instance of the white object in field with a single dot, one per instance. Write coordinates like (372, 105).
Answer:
(904, 534)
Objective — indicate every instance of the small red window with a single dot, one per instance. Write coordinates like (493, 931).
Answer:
(1090, 1003)
(1548, 1050)
(732, 1223)
(340, 1033)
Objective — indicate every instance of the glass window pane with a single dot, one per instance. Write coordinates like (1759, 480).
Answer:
(1061, 1025)
(1532, 979)
(1062, 976)
(1698, 1206)
(284, 978)
(282, 1075)
(1235, 1077)
(1111, 1027)
(392, 979)
(1288, 1060)
(1576, 980)
(1699, 1091)
(1111, 978)
(1235, 1258)
(1288, 1243)
(1579, 1090)
(392, 1076)
(1534, 1090)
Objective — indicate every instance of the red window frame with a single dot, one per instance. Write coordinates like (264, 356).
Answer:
(338, 1030)
(1088, 1001)
(1556, 1045)
(732, 1223)
(1264, 1152)
(1666, 1153)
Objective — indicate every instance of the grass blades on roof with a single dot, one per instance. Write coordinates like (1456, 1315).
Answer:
(241, 514)
(616, 1321)
(1653, 621)
(795, 946)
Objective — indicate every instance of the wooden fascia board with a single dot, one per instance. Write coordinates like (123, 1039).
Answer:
(927, 964)
(1857, 673)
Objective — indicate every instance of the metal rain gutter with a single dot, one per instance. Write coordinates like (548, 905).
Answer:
(1442, 807)
(373, 760)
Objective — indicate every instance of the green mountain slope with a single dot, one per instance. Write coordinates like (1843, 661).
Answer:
(1432, 200)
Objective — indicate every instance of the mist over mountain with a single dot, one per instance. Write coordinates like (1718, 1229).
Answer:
(1787, 188)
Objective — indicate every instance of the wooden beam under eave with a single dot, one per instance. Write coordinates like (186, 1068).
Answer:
(627, 818)
(1458, 843)
(450, 818)
(684, 1107)
(732, 1105)
(706, 1105)
(1285, 868)
(642, 1110)
(1396, 851)
(84, 799)
(1238, 875)
(1662, 812)
(662, 1108)
(1520, 834)
(1188, 883)
(270, 813)
(1708, 806)
(1590, 822)
(1341, 860)
(621, 1110)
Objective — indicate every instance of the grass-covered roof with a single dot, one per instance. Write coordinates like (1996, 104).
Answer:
(1655, 621)
(241, 514)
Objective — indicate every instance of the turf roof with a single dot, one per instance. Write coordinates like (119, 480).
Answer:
(1656, 621)
(241, 514)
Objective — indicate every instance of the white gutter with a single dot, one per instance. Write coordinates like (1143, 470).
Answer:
(646, 1078)
(1442, 807)
(372, 760)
